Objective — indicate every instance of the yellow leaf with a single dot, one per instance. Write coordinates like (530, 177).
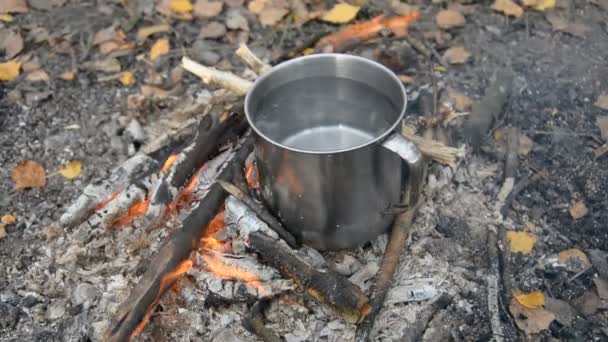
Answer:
(9, 70)
(508, 7)
(521, 242)
(540, 5)
(574, 253)
(6, 18)
(159, 48)
(341, 13)
(71, 170)
(440, 68)
(531, 300)
(8, 219)
(28, 174)
(144, 32)
(181, 6)
(127, 78)
(307, 51)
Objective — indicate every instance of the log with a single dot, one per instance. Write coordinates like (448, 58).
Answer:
(173, 258)
(212, 133)
(384, 278)
(326, 287)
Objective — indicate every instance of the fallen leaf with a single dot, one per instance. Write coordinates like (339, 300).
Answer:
(2, 231)
(37, 76)
(165, 7)
(457, 55)
(8, 219)
(577, 29)
(341, 13)
(407, 79)
(147, 31)
(272, 16)
(578, 210)
(110, 40)
(181, 6)
(213, 29)
(403, 8)
(462, 103)
(448, 18)
(9, 70)
(159, 48)
(521, 242)
(7, 18)
(601, 285)
(531, 321)
(28, 174)
(109, 65)
(13, 44)
(525, 145)
(602, 102)
(208, 9)
(127, 78)
(575, 259)
(68, 75)
(31, 65)
(531, 300)
(588, 303)
(13, 6)
(152, 91)
(71, 170)
(563, 311)
(540, 5)
(508, 7)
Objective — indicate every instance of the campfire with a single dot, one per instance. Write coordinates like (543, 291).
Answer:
(221, 237)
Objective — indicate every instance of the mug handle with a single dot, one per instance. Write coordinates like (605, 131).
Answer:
(411, 154)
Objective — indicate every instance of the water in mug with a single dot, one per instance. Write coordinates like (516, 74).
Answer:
(323, 114)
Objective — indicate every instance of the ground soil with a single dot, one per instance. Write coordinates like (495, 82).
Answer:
(558, 77)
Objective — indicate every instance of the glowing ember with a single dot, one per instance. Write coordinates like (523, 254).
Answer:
(212, 250)
(167, 281)
(135, 211)
(252, 176)
(169, 162)
(103, 204)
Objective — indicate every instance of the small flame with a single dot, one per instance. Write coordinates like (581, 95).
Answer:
(167, 281)
(251, 174)
(134, 212)
(168, 163)
(212, 252)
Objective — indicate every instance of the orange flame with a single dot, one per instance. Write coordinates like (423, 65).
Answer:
(213, 260)
(134, 212)
(168, 163)
(165, 283)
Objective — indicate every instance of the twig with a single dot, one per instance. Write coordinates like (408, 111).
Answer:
(424, 49)
(212, 76)
(260, 210)
(519, 187)
(436, 150)
(254, 322)
(493, 287)
(252, 60)
(384, 278)
(423, 318)
(511, 165)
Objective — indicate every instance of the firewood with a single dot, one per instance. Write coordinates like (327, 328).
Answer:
(216, 77)
(252, 60)
(384, 278)
(254, 322)
(162, 272)
(263, 213)
(326, 287)
(206, 143)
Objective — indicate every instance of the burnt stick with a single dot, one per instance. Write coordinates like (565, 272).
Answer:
(415, 332)
(254, 322)
(157, 278)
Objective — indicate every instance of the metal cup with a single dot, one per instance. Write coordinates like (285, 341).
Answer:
(334, 198)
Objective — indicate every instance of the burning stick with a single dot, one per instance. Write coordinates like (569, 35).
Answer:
(384, 278)
(326, 287)
(173, 259)
(254, 322)
(206, 142)
(356, 33)
(260, 210)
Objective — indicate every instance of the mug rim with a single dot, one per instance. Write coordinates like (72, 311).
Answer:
(288, 63)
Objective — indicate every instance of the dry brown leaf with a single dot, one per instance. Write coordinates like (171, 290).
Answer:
(28, 174)
(8, 219)
(525, 145)
(457, 55)
(213, 29)
(13, 6)
(602, 123)
(521, 242)
(9, 70)
(578, 210)
(448, 18)
(2, 232)
(71, 170)
(531, 300)
(127, 78)
(37, 75)
(341, 13)
(208, 9)
(508, 7)
(402, 8)
(602, 102)
(181, 6)
(574, 253)
(159, 48)
(105, 35)
(152, 91)
(269, 12)
(407, 79)
(588, 303)
(68, 75)
(601, 285)
(531, 321)
(462, 103)
(30, 66)
(147, 31)
(109, 65)
(272, 16)
(13, 44)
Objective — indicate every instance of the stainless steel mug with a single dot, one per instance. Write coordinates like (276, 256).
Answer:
(331, 161)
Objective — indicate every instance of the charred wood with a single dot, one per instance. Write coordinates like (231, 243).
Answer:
(161, 274)
(254, 322)
(415, 332)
